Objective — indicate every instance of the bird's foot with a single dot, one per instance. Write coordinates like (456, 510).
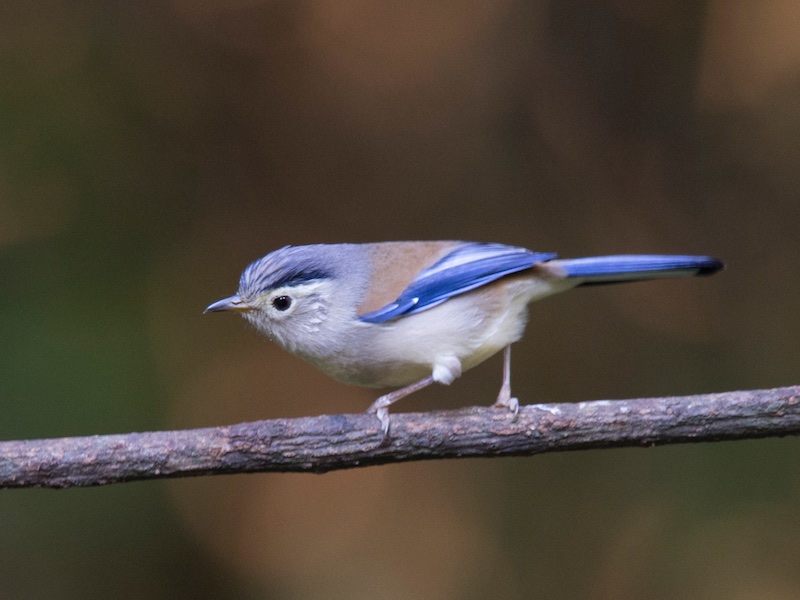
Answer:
(505, 400)
(380, 408)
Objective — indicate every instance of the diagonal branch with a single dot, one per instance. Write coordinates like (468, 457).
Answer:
(330, 442)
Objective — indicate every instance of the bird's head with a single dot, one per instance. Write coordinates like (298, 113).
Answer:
(290, 295)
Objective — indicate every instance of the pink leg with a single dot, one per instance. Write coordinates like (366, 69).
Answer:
(504, 399)
(381, 406)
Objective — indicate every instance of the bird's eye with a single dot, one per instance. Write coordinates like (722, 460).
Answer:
(281, 303)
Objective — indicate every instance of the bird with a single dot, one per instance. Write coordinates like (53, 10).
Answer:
(409, 314)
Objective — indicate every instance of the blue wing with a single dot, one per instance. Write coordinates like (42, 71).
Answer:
(467, 267)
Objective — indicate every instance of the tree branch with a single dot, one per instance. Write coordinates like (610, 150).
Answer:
(330, 442)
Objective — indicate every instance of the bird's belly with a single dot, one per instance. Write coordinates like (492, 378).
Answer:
(409, 348)
(468, 328)
(372, 372)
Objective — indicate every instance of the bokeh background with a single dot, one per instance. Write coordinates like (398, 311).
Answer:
(150, 150)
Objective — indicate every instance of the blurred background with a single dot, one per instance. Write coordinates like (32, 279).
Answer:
(150, 150)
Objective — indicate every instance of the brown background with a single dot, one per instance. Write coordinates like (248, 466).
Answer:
(150, 150)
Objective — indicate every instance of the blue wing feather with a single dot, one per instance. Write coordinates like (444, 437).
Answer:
(466, 268)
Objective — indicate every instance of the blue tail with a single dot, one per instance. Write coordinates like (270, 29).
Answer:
(635, 267)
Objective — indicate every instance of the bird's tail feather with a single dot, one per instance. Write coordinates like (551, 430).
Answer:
(635, 267)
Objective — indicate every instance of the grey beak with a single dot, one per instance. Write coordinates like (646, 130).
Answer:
(231, 303)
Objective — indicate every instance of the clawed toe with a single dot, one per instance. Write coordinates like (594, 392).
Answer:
(511, 404)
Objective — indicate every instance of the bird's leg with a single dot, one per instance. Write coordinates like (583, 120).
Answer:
(381, 406)
(504, 399)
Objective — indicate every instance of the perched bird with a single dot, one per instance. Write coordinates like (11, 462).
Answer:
(408, 314)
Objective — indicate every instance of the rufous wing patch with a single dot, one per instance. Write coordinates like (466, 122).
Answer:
(394, 266)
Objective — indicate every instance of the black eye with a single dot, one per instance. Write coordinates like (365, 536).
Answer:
(281, 303)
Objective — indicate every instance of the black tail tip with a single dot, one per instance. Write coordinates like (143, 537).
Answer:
(710, 266)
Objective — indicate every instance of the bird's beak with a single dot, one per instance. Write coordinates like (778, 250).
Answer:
(232, 303)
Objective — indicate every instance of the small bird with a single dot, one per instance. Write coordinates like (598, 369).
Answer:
(408, 314)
